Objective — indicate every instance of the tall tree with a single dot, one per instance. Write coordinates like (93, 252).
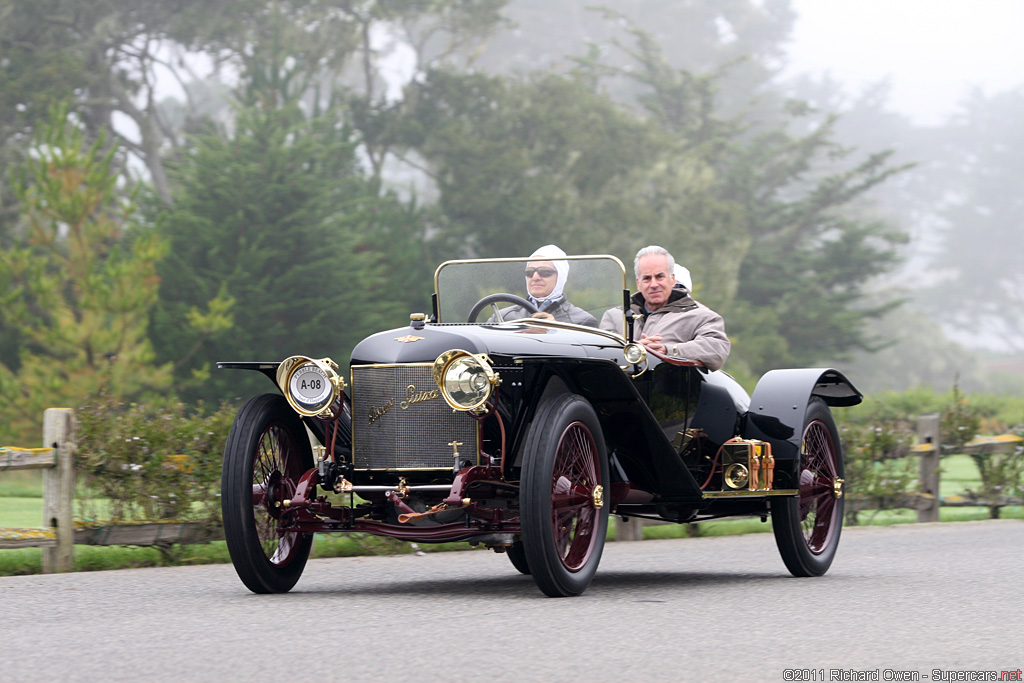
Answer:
(696, 35)
(276, 218)
(983, 294)
(518, 162)
(79, 286)
(117, 59)
(762, 214)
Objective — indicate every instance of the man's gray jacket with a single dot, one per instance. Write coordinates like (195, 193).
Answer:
(688, 328)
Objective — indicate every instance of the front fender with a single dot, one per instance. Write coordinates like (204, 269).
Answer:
(268, 369)
(630, 428)
(343, 438)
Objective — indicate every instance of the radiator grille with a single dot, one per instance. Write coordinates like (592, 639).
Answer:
(393, 430)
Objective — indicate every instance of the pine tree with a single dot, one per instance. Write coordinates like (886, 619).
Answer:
(276, 217)
(78, 287)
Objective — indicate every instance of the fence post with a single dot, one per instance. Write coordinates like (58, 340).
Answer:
(928, 433)
(59, 488)
(629, 529)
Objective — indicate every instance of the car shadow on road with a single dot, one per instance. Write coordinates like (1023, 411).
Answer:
(517, 586)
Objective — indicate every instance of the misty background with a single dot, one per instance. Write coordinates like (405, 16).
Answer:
(841, 178)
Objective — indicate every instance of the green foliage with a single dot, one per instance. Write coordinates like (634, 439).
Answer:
(876, 436)
(1002, 474)
(905, 405)
(278, 246)
(696, 35)
(625, 149)
(139, 462)
(520, 163)
(959, 422)
(40, 68)
(77, 289)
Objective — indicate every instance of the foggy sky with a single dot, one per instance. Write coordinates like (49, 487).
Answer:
(932, 51)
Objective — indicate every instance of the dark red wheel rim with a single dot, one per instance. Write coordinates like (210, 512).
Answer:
(275, 470)
(818, 487)
(574, 480)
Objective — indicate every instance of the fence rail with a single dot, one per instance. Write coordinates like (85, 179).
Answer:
(930, 449)
(60, 533)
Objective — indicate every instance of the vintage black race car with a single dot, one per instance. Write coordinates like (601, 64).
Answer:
(524, 436)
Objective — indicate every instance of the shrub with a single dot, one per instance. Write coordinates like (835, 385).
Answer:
(878, 471)
(137, 462)
(959, 422)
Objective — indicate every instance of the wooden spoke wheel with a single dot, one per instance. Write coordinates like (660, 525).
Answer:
(807, 527)
(267, 452)
(562, 506)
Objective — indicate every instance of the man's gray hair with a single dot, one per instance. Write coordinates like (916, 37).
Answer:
(647, 251)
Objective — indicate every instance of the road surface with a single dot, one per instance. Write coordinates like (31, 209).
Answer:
(899, 601)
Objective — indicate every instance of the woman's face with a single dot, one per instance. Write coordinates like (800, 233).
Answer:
(541, 278)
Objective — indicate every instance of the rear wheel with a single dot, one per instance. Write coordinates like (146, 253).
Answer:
(267, 452)
(807, 527)
(565, 475)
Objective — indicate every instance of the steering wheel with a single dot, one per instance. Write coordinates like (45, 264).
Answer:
(492, 301)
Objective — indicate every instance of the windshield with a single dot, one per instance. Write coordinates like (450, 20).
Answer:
(592, 285)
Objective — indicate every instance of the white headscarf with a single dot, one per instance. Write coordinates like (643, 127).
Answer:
(683, 278)
(550, 252)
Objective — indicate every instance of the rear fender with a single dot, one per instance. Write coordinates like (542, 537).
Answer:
(778, 409)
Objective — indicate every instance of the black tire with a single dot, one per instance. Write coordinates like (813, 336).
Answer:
(807, 527)
(561, 500)
(267, 452)
(517, 556)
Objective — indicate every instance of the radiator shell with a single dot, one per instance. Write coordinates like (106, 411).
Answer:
(401, 422)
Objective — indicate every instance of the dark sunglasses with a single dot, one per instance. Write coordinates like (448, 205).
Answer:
(543, 272)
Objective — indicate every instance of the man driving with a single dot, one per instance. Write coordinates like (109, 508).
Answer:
(545, 286)
(669, 320)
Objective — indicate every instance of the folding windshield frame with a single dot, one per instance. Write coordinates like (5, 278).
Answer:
(458, 284)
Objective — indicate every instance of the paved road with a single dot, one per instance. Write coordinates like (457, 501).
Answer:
(910, 598)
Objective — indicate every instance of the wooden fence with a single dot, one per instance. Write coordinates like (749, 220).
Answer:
(929, 448)
(60, 533)
(56, 537)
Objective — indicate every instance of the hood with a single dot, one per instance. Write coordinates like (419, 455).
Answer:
(423, 345)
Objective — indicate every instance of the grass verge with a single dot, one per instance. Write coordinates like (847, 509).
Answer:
(95, 558)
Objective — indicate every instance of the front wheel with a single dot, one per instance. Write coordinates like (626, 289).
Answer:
(562, 506)
(517, 556)
(267, 452)
(807, 526)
